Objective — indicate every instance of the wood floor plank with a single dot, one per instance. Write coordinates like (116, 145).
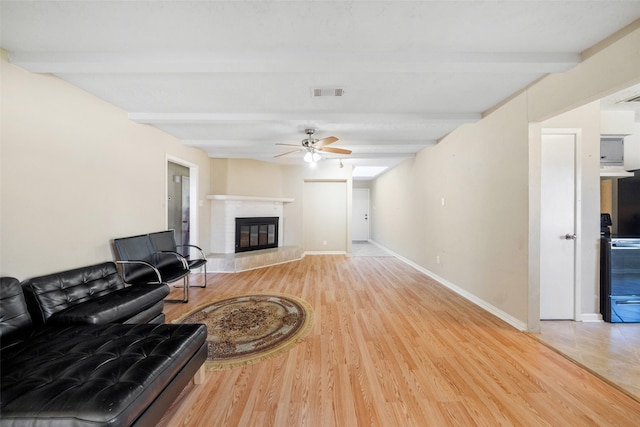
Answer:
(391, 347)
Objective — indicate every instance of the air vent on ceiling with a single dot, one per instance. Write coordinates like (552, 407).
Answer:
(327, 92)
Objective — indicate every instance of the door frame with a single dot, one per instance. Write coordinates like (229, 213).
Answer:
(534, 218)
(193, 195)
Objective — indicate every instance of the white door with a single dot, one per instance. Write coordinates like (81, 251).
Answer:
(557, 227)
(360, 214)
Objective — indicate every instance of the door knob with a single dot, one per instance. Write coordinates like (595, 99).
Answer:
(570, 236)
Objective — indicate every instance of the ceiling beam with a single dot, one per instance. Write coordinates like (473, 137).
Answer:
(412, 61)
(373, 144)
(302, 117)
(269, 156)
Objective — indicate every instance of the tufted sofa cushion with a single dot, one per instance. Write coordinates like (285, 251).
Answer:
(94, 374)
(94, 294)
(116, 307)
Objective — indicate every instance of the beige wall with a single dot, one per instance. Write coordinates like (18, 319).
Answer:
(294, 178)
(76, 173)
(459, 209)
(218, 174)
(244, 177)
(482, 171)
(325, 216)
(361, 184)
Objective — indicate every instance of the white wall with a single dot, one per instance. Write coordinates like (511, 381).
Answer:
(76, 173)
(482, 233)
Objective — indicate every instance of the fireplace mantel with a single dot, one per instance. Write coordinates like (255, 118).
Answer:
(229, 197)
(226, 208)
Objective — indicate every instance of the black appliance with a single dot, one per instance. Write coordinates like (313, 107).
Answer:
(620, 280)
(605, 223)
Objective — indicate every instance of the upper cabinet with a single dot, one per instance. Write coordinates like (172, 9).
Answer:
(612, 151)
(619, 144)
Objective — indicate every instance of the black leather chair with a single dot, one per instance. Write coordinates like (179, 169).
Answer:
(143, 264)
(165, 241)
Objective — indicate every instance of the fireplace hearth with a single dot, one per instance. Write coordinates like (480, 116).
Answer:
(256, 233)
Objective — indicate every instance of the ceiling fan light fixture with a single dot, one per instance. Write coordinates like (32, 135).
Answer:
(312, 156)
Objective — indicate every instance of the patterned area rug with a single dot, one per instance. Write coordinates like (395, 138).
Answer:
(247, 329)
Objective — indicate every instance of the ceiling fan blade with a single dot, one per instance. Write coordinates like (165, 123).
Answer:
(288, 145)
(336, 150)
(284, 154)
(325, 141)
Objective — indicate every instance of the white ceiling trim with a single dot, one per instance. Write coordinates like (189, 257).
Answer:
(268, 157)
(372, 144)
(293, 61)
(190, 118)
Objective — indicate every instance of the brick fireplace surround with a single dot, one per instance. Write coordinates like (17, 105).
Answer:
(224, 210)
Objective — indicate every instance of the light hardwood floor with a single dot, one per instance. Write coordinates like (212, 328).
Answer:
(391, 347)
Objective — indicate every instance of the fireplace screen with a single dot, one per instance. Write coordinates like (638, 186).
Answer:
(256, 233)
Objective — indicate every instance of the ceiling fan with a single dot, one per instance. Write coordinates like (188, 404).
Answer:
(313, 147)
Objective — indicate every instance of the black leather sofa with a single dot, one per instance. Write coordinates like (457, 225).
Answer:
(95, 294)
(61, 373)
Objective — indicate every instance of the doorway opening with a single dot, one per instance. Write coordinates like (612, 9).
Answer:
(181, 213)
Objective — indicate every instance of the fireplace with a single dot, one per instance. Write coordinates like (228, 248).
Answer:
(226, 208)
(256, 233)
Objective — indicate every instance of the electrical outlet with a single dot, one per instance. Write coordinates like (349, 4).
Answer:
(324, 243)
(437, 259)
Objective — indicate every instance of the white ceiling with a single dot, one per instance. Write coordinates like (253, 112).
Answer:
(236, 77)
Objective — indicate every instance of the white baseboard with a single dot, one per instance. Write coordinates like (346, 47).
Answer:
(325, 253)
(591, 317)
(516, 323)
